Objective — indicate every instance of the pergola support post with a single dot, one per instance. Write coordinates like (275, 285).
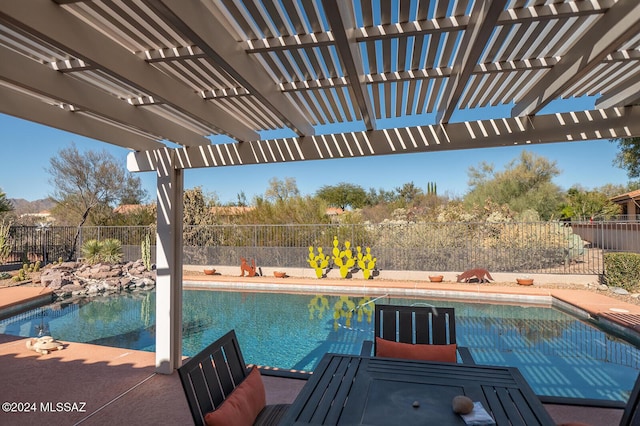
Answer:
(170, 187)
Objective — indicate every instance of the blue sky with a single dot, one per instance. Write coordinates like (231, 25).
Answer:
(27, 148)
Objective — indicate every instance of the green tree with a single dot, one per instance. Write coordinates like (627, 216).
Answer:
(132, 193)
(197, 208)
(5, 204)
(629, 156)
(241, 199)
(524, 184)
(280, 190)
(380, 196)
(343, 195)
(583, 204)
(611, 190)
(89, 181)
(408, 192)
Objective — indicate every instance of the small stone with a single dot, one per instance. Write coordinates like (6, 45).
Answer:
(462, 404)
(619, 290)
(415, 404)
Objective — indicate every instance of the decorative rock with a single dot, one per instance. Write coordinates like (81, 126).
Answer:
(93, 280)
(94, 289)
(67, 265)
(619, 290)
(462, 404)
(71, 288)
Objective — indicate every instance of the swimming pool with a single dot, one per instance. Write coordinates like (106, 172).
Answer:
(558, 354)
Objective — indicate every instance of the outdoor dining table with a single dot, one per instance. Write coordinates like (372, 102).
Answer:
(354, 390)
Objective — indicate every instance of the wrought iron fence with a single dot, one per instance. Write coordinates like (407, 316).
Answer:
(537, 247)
(501, 247)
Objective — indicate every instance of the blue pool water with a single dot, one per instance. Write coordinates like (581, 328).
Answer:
(558, 354)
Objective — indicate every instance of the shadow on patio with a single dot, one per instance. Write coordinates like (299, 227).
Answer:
(101, 385)
(98, 385)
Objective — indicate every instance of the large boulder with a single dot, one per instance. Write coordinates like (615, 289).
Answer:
(79, 279)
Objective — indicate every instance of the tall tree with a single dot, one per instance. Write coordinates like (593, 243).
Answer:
(281, 190)
(85, 181)
(197, 208)
(343, 195)
(525, 183)
(408, 192)
(629, 156)
(5, 204)
(583, 204)
(381, 195)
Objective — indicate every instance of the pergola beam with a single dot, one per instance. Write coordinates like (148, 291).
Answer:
(432, 26)
(341, 19)
(28, 74)
(620, 22)
(17, 104)
(626, 95)
(196, 21)
(483, 20)
(575, 126)
(63, 30)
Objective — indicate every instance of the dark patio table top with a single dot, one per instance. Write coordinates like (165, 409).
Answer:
(353, 390)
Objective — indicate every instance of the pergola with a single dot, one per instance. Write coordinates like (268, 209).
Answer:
(161, 77)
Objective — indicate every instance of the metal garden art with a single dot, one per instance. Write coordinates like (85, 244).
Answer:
(319, 262)
(343, 259)
(366, 263)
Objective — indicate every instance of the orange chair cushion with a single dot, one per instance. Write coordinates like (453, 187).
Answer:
(243, 405)
(439, 353)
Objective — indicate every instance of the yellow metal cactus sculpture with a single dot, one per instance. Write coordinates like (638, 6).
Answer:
(366, 262)
(319, 262)
(343, 259)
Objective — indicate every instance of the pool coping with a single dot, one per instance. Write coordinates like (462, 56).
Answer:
(17, 299)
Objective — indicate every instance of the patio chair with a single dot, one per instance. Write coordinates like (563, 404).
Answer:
(416, 332)
(219, 386)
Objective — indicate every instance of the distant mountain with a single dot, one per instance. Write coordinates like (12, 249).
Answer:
(22, 206)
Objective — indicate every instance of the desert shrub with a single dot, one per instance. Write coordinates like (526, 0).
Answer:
(91, 251)
(109, 251)
(496, 244)
(622, 270)
(21, 275)
(5, 241)
(145, 250)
